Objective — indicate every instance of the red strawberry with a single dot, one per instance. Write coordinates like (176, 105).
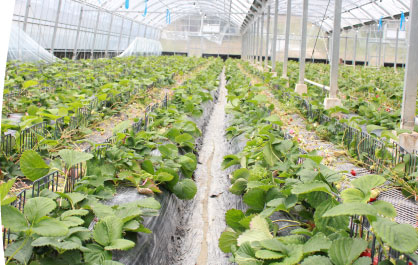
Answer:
(376, 260)
(353, 172)
(366, 253)
(377, 96)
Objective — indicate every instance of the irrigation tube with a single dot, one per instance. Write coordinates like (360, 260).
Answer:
(317, 84)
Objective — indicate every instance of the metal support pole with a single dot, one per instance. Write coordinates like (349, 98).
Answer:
(242, 46)
(345, 49)
(249, 35)
(366, 59)
(335, 56)
(25, 21)
(384, 54)
(261, 39)
(130, 32)
(355, 49)
(287, 38)
(246, 45)
(108, 36)
(54, 34)
(411, 77)
(396, 47)
(304, 34)
(253, 41)
(268, 36)
(120, 34)
(78, 34)
(274, 42)
(95, 33)
(249, 43)
(380, 48)
(256, 39)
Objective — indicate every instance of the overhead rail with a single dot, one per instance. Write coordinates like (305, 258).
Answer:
(354, 14)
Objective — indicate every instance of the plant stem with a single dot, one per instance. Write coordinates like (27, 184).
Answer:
(285, 220)
(287, 227)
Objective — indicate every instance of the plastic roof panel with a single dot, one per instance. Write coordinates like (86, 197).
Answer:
(228, 10)
(355, 12)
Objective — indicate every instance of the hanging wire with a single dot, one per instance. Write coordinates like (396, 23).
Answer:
(320, 28)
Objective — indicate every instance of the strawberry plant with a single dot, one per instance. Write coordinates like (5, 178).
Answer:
(295, 214)
(86, 230)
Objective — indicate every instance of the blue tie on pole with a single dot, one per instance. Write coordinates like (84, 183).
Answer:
(127, 4)
(380, 23)
(146, 9)
(168, 17)
(402, 26)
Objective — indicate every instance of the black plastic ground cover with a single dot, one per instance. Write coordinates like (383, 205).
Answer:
(151, 248)
(159, 246)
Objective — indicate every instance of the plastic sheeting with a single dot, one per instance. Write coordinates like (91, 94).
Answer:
(25, 49)
(143, 47)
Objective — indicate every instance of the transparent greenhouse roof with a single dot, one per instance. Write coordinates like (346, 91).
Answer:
(239, 12)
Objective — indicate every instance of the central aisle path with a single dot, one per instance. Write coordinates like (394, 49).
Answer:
(207, 212)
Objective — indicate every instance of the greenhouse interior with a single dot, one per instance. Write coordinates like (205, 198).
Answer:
(197, 132)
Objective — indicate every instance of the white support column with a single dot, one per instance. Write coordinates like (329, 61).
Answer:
(257, 28)
(130, 32)
(243, 43)
(247, 46)
(253, 40)
(396, 47)
(95, 33)
(258, 39)
(274, 42)
(333, 100)
(242, 47)
(380, 47)
(287, 38)
(25, 21)
(54, 34)
(108, 36)
(366, 58)
(249, 42)
(248, 49)
(301, 87)
(411, 77)
(120, 34)
(268, 37)
(355, 49)
(77, 37)
(345, 49)
(260, 59)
